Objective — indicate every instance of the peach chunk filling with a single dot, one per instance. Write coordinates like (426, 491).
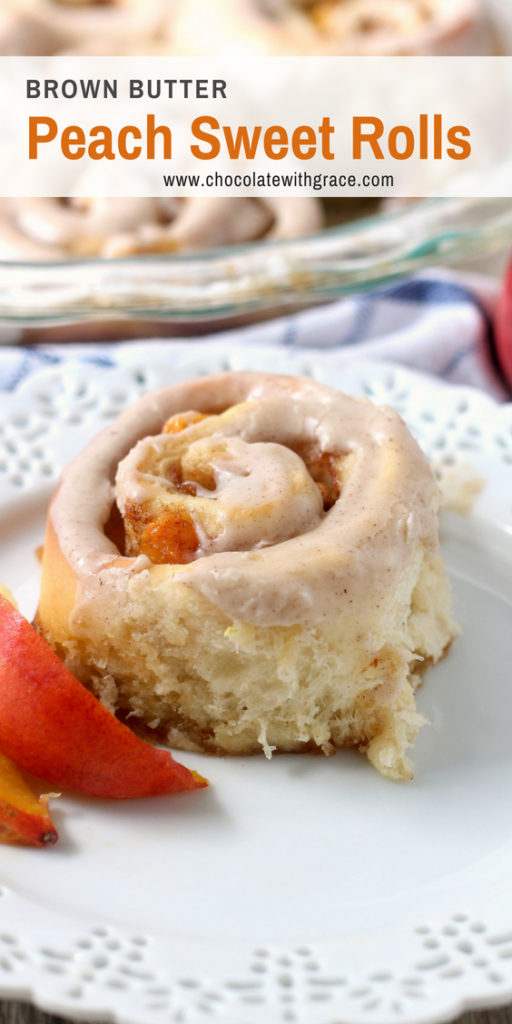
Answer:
(166, 533)
(169, 539)
(182, 420)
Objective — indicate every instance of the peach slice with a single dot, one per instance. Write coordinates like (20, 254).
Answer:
(24, 818)
(52, 727)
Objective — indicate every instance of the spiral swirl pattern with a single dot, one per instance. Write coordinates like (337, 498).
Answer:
(294, 482)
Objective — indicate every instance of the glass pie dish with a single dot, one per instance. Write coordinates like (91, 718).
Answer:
(187, 294)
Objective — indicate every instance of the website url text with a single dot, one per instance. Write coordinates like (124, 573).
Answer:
(298, 179)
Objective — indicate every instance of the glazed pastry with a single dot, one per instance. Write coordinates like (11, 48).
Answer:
(330, 27)
(47, 229)
(250, 562)
(248, 26)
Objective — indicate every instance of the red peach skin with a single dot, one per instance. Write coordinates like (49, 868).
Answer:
(503, 327)
(52, 727)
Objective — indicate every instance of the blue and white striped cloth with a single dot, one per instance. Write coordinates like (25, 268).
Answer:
(437, 322)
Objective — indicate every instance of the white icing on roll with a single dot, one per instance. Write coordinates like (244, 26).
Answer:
(313, 565)
(262, 494)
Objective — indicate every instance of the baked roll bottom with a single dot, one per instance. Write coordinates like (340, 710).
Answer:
(215, 685)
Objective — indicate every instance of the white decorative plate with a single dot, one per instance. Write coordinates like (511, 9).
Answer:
(302, 889)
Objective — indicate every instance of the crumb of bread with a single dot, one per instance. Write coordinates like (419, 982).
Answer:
(222, 686)
(460, 486)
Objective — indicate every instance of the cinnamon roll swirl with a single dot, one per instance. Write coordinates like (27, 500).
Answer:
(250, 562)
